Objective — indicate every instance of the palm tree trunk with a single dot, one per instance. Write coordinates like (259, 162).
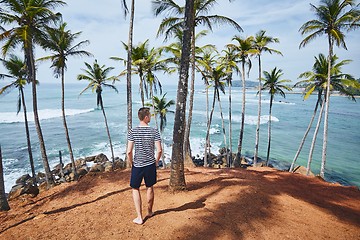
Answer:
(141, 86)
(209, 125)
(65, 124)
(4, 205)
(153, 106)
(257, 132)
(177, 176)
(28, 136)
(312, 147)
(108, 132)
(223, 127)
(187, 147)
(238, 156)
(207, 138)
(229, 155)
(29, 56)
(327, 105)
(269, 130)
(128, 67)
(305, 135)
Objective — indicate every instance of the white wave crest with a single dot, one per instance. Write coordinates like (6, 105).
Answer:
(252, 119)
(12, 117)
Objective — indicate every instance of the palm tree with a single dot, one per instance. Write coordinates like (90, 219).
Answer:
(204, 66)
(275, 86)
(17, 71)
(170, 25)
(129, 64)
(152, 64)
(261, 42)
(332, 18)
(98, 77)
(217, 76)
(61, 42)
(138, 55)
(230, 61)
(177, 176)
(245, 49)
(161, 106)
(28, 20)
(4, 205)
(316, 81)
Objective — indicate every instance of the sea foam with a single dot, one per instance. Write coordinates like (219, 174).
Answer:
(12, 117)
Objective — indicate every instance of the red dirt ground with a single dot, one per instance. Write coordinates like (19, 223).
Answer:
(249, 203)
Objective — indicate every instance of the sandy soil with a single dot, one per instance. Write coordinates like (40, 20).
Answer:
(218, 204)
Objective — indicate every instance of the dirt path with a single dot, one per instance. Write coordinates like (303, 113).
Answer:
(219, 204)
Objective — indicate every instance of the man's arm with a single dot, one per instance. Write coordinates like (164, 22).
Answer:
(129, 152)
(158, 151)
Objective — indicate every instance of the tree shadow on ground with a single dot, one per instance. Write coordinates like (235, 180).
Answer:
(231, 218)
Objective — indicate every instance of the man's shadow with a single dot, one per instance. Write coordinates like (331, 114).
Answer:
(187, 206)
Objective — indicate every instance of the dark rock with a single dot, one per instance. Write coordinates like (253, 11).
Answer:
(90, 159)
(31, 190)
(101, 158)
(15, 192)
(22, 180)
(97, 168)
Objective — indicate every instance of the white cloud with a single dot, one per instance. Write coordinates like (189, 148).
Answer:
(104, 25)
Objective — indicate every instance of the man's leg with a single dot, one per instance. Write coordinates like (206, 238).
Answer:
(150, 200)
(137, 203)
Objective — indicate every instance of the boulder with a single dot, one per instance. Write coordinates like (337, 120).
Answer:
(119, 164)
(22, 180)
(302, 170)
(101, 158)
(15, 192)
(31, 190)
(108, 167)
(97, 168)
(82, 171)
(90, 159)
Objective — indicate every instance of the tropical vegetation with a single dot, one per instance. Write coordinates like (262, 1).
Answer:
(27, 26)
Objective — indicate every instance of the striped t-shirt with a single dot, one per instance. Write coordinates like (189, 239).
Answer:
(144, 138)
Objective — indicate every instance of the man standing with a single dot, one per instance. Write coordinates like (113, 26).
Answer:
(144, 138)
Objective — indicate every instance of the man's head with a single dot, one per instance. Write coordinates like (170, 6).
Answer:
(143, 113)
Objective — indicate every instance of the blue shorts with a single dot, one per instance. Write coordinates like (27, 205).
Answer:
(148, 173)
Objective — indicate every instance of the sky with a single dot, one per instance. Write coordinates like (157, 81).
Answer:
(104, 25)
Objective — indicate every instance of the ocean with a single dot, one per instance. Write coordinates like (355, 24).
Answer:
(88, 134)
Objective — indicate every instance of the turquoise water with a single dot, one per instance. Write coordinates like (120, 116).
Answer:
(88, 134)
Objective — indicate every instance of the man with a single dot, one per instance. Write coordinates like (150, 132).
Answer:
(144, 163)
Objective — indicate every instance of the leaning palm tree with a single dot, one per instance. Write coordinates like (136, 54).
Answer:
(4, 205)
(61, 42)
(275, 85)
(261, 42)
(177, 176)
(17, 71)
(161, 106)
(333, 17)
(244, 49)
(230, 61)
(98, 77)
(175, 21)
(316, 81)
(204, 66)
(27, 20)
(217, 76)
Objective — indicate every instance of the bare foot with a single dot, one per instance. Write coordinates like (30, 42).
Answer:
(150, 214)
(138, 221)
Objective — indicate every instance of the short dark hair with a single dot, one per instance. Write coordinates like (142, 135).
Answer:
(143, 112)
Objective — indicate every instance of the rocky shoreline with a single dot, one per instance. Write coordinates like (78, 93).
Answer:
(26, 185)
